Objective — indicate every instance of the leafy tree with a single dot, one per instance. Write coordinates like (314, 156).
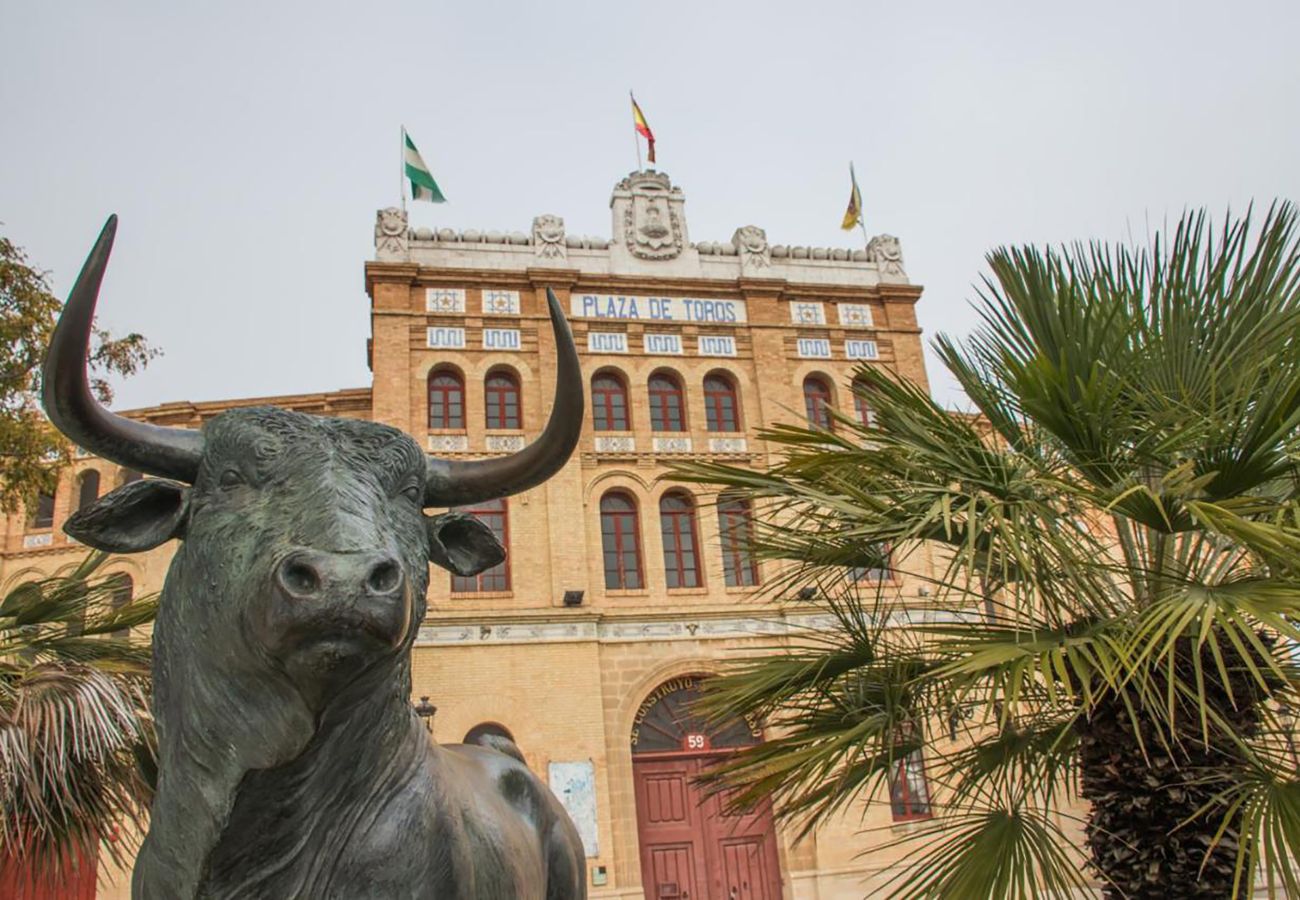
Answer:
(76, 738)
(31, 452)
(1112, 553)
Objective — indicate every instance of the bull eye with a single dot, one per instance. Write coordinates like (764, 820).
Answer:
(413, 493)
(231, 478)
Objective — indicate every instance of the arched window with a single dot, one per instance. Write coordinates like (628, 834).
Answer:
(721, 405)
(667, 404)
(608, 403)
(487, 729)
(494, 515)
(88, 488)
(681, 541)
(43, 514)
(446, 400)
(817, 401)
(123, 588)
(736, 528)
(862, 403)
(501, 399)
(620, 539)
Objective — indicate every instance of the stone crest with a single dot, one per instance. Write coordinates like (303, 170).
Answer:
(548, 237)
(391, 234)
(885, 251)
(751, 243)
(652, 228)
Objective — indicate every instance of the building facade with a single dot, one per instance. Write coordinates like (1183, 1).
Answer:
(620, 591)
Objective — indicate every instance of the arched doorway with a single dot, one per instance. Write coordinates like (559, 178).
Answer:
(691, 849)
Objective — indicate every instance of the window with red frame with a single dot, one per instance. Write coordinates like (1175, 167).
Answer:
(883, 572)
(721, 405)
(608, 403)
(620, 539)
(43, 514)
(681, 544)
(817, 402)
(862, 404)
(446, 400)
(909, 793)
(493, 514)
(736, 528)
(667, 404)
(501, 398)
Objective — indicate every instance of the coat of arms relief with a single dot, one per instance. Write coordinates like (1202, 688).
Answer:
(652, 228)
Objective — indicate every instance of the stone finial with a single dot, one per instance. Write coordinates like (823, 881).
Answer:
(885, 251)
(750, 242)
(391, 235)
(548, 237)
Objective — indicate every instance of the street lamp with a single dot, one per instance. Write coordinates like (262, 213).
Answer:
(426, 711)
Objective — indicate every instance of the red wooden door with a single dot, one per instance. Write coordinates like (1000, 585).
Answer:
(690, 848)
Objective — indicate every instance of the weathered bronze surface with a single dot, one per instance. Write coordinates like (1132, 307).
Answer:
(291, 763)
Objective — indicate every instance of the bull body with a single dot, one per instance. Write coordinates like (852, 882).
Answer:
(291, 763)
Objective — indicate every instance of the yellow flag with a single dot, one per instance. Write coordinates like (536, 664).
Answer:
(853, 215)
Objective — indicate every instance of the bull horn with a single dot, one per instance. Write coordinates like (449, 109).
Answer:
(456, 483)
(65, 389)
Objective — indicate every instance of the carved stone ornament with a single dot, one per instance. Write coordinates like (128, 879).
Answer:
(391, 235)
(885, 251)
(548, 237)
(751, 242)
(651, 227)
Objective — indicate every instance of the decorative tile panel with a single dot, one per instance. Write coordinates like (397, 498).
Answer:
(861, 350)
(606, 342)
(442, 337)
(670, 444)
(501, 339)
(728, 445)
(38, 540)
(716, 345)
(620, 443)
(448, 443)
(662, 344)
(814, 348)
(854, 315)
(444, 300)
(504, 443)
(807, 312)
(500, 303)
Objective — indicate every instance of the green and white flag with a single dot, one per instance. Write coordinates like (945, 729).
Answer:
(423, 187)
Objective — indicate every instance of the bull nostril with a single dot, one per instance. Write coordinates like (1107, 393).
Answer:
(384, 577)
(300, 578)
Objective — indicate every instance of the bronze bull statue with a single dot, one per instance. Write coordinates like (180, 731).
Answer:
(291, 763)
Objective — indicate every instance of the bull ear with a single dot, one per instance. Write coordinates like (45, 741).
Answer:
(462, 544)
(137, 516)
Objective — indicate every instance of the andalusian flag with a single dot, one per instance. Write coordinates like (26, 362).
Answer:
(423, 187)
(643, 128)
(853, 215)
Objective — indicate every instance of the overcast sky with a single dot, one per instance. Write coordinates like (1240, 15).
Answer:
(246, 146)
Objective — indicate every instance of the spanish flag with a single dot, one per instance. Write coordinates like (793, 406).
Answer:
(853, 215)
(643, 128)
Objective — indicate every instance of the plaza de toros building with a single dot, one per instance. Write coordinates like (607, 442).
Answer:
(620, 591)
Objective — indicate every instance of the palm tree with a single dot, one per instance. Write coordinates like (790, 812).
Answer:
(1111, 552)
(75, 732)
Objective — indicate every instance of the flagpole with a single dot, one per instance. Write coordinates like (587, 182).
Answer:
(635, 139)
(401, 170)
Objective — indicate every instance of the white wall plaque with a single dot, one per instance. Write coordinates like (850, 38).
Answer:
(38, 540)
(663, 344)
(442, 337)
(501, 339)
(861, 350)
(617, 443)
(807, 312)
(814, 348)
(728, 445)
(606, 342)
(444, 300)
(656, 309)
(448, 443)
(574, 785)
(504, 443)
(854, 315)
(670, 444)
(500, 303)
(716, 345)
